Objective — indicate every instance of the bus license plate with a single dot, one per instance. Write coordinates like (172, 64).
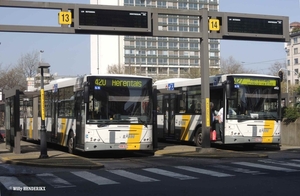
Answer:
(122, 146)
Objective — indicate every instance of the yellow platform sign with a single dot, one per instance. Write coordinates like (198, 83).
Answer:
(65, 18)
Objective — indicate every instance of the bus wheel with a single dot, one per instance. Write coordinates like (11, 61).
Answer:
(71, 143)
(198, 137)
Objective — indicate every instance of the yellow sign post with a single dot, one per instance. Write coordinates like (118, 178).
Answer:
(65, 18)
(214, 25)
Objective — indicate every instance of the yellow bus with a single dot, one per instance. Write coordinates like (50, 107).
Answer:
(94, 113)
(251, 103)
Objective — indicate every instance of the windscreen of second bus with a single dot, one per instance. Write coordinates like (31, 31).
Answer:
(119, 100)
(254, 98)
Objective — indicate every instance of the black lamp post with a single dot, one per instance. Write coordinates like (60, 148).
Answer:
(43, 135)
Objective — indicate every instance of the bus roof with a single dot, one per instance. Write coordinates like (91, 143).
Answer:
(119, 75)
(214, 79)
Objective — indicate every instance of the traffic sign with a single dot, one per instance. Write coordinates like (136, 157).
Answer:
(214, 25)
(171, 86)
(65, 18)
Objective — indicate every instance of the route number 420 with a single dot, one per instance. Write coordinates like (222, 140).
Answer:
(214, 25)
(65, 18)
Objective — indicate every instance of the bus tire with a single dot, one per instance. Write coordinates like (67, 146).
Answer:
(71, 140)
(198, 137)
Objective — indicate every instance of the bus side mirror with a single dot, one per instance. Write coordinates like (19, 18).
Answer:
(228, 86)
(86, 93)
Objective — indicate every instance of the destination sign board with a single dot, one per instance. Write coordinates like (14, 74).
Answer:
(113, 18)
(255, 81)
(113, 82)
(254, 25)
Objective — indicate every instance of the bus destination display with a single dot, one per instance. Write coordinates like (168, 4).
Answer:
(255, 81)
(255, 25)
(113, 18)
(135, 83)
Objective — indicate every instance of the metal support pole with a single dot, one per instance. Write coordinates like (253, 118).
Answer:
(204, 63)
(43, 127)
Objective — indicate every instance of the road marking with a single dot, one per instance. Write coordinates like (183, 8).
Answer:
(54, 181)
(280, 163)
(264, 166)
(133, 176)
(10, 182)
(169, 174)
(239, 170)
(204, 171)
(94, 178)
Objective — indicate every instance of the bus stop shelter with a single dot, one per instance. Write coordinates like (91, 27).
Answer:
(14, 99)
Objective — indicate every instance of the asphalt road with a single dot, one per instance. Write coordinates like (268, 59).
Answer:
(136, 174)
(235, 177)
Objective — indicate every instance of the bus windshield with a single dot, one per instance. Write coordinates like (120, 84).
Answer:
(253, 102)
(117, 103)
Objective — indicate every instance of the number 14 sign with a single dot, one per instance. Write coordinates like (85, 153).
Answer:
(214, 25)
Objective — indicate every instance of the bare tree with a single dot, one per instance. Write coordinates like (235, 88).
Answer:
(12, 77)
(29, 63)
(273, 70)
(231, 66)
(116, 69)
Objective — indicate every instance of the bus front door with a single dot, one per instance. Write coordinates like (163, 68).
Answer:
(169, 116)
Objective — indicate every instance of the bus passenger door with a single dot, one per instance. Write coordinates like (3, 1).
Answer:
(169, 116)
(80, 120)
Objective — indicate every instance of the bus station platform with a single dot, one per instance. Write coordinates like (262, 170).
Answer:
(30, 153)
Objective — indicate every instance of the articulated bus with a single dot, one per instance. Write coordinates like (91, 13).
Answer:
(93, 113)
(251, 102)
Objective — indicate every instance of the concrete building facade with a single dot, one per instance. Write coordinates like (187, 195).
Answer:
(155, 56)
(293, 54)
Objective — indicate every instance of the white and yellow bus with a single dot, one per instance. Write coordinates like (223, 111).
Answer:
(93, 113)
(252, 109)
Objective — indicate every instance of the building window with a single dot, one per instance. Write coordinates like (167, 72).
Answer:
(194, 46)
(295, 50)
(128, 2)
(288, 62)
(172, 20)
(173, 45)
(172, 28)
(161, 4)
(296, 61)
(183, 29)
(193, 6)
(182, 5)
(163, 61)
(140, 2)
(183, 45)
(295, 40)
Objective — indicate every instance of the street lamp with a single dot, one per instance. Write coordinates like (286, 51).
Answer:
(43, 134)
(41, 51)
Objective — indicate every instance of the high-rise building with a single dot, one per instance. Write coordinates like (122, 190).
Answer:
(157, 57)
(293, 54)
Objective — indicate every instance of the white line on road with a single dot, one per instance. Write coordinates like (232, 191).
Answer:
(94, 178)
(204, 171)
(264, 166)
(54, 181)
(280, 163)
(239, 170)
(10, 182)
(133, 176)
(169, 174)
